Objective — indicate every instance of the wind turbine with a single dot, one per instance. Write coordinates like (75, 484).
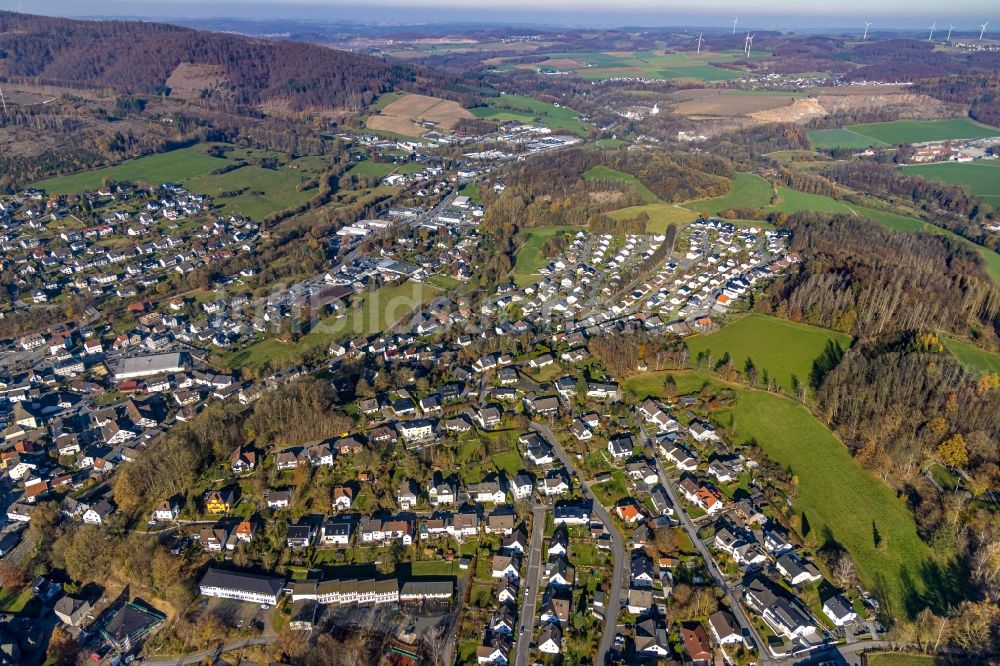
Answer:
(750, 43)
(950, 28)
(735, 21)
(868, 24)
(3, 102)
(699, 42)
(983, 31)
(930, 37)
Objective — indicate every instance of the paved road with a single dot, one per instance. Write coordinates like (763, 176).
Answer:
(713, 568)
(532, 579)
(613, 605)
(211, 654)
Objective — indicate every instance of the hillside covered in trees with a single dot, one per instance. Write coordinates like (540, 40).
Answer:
(914, 281)
(140, 57)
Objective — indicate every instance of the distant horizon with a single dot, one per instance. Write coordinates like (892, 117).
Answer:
(637, 14)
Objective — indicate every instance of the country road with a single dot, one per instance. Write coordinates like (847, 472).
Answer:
(613, 605)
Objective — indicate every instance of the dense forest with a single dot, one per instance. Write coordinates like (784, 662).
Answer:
(139, 58)
(913, 281)
(980, 92)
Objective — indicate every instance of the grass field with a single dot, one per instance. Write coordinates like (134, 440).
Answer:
(837, 499)
(597, 65)
(901, 131)
(975, 360)
(176, 165)
(661, 215)
(748, 191)
(781, 347)
(377, 311)
(841, 138)
(607, 174)
(981, 177)
(529, 110)
(530, 256)
(250, 190)
(792, 201)
(260, 191)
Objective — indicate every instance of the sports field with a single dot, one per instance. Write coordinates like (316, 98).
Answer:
(901, 131)
(748, 191)
(981, 177)
(837, 498)
(530, 257)
(975, 360)
(606, 174)
(781, 347)
(661, 216)
(173, 166)
(530, 110)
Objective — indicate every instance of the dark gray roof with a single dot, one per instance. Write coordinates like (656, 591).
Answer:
(239, 580)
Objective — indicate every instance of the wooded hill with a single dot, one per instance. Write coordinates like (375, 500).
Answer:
(134, 57)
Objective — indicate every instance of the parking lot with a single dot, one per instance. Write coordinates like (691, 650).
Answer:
(238, 614)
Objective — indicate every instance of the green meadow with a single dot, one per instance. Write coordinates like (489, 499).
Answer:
(783, 348)
(530, 256)
(599, 65)
(901, 131)
(975, 360)
(837, 499)
(529, 110)
(372, 312)
(747, 191)
(982, 177)
(661, 216)
(607, 174)
(841, 138)
(173, 166)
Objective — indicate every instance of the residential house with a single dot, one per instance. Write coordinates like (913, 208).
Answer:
(506, 565)
(550, 639)
(696, 644)
(839, 610)
(98, 513)
(724, 628)
(336, 532)
(342, 498)
(796, 571)
(166, 510)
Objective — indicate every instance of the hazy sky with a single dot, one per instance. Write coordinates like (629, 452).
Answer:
(763, 14)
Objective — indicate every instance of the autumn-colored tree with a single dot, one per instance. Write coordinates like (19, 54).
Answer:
(953, 451)
(63, 649)
(988, 382)
(12, 575)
